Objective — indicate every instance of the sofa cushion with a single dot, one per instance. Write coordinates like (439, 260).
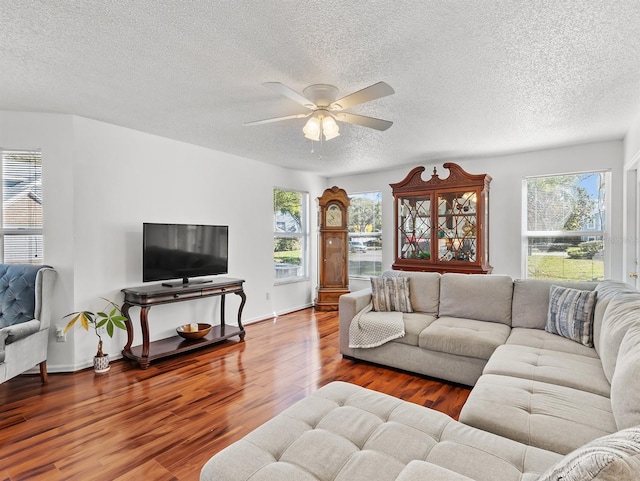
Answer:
(344, 432)
(615, 457)
(424, 291)
(571, 314)
(476, 296)
(546, 340)
(554, 367)
(606, 291)
(531, 301)
(464, 337)
(622, 313)
(390, 294)
(414, 324)
(625, 385)
(17, 293)
(557, 418)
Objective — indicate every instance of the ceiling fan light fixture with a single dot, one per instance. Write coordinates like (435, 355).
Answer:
(320, 99)
(312, 129)
(330, 128)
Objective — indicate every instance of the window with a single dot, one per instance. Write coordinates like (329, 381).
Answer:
(565, 226)
(21, 207)
(290, 233)
(365, 234)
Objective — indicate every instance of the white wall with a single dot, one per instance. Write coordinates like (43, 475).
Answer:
(632, 141)
(505, 202)
(101, 182)
(53, 134)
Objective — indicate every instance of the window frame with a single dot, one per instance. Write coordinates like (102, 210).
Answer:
(21, 231)
(604, 233)
(303, 236)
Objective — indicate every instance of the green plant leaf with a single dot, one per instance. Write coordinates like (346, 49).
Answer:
(110, 329)
(119, 324)
(101, 323)
(102, 314)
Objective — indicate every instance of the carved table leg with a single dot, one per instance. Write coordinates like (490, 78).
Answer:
(222, 311)
(144, 324)
(126, 351)
(244, 299)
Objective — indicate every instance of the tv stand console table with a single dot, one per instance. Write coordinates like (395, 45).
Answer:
(146, 297)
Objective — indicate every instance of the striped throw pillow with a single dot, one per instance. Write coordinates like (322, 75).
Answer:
(390, 294)
(571, 314)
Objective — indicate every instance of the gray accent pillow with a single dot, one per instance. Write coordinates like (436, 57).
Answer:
(390, 294)
(599, 456)
(571, 314)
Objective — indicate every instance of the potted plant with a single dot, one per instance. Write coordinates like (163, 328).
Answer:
(106, 321)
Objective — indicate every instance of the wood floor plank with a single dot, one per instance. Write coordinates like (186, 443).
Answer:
(165, 422)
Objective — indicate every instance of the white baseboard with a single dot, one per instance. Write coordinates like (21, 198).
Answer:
(58, 368)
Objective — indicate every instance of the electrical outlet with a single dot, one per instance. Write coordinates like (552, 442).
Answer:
(268, 296)
(60, 334)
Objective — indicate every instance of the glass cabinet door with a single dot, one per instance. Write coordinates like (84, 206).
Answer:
(414, 228)
(457, 226)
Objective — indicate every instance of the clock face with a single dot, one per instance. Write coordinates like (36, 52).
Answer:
(333, 217)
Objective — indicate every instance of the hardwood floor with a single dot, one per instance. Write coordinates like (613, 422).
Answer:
(165, 422)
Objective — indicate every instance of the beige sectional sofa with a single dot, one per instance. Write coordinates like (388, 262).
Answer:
(541, 403)
(458, 322)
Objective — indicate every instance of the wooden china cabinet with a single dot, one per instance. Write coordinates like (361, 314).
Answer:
(442, 225)
(333, 248)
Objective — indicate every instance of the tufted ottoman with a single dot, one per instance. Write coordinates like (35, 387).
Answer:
(344, 432)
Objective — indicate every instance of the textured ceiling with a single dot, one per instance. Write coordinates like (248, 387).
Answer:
(472, 78)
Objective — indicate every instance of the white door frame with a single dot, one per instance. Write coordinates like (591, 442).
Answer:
(631, 222)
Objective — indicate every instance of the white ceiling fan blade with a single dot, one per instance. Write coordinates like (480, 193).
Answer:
(372, 92)
(364, 121)
(278, 119)
(290, 93)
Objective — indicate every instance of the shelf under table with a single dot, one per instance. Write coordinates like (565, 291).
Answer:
(176, 344)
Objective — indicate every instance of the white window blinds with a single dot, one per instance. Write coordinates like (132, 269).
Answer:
(21, 207)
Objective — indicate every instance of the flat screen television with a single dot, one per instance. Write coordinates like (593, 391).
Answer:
(174, 251)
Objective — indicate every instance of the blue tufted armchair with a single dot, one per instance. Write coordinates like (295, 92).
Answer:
(25, 312)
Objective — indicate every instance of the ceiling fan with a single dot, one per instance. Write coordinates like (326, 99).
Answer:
(320, 99)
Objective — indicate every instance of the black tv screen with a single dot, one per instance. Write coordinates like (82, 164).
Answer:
(172, 251)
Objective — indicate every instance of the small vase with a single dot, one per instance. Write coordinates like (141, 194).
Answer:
(101, 364)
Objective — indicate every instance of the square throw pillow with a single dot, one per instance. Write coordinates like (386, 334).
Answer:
(390, 294)
(613, 457)
(571, 314)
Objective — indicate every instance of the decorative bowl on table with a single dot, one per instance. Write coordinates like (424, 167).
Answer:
(194, 330)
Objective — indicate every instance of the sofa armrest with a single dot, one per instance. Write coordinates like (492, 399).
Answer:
(348, 306)
(19, 331)
(16, 332)
(3, 338)
(45, 283)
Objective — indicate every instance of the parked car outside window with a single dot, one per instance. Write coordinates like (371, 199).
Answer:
(356, 246)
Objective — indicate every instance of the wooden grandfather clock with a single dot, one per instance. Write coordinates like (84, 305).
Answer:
(333, 248)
